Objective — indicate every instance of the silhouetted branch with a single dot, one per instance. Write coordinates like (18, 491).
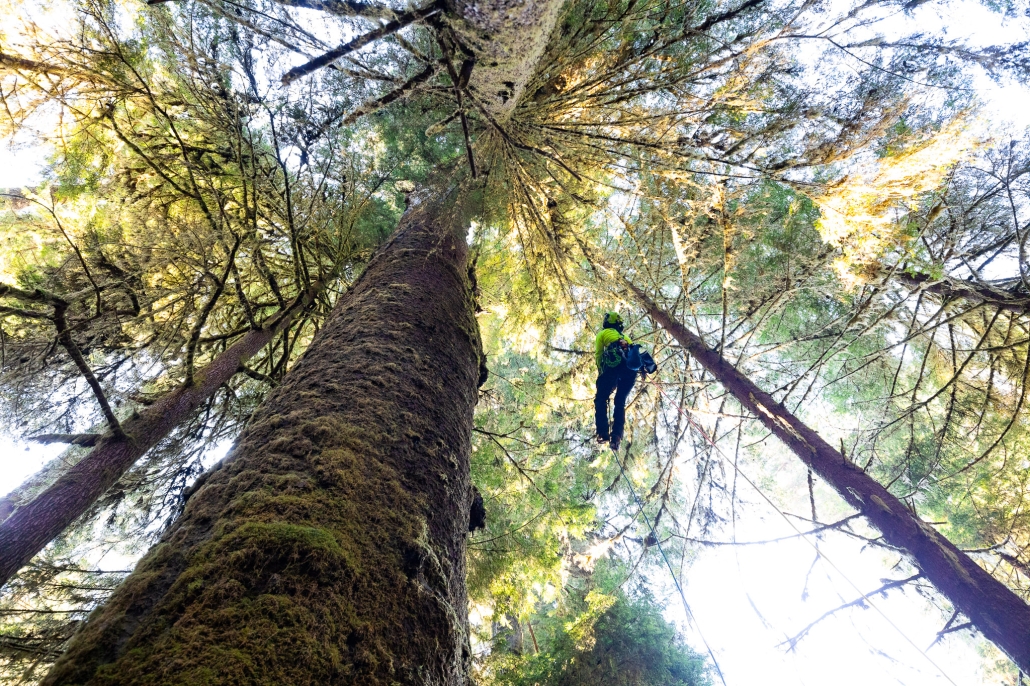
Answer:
(85, 440)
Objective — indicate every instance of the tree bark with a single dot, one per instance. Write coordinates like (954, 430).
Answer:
(994, 609)
(508, 38)
(329, 546)
(1002, 298)
(27, 529)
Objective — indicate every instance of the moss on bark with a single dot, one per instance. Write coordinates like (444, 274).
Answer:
(329, 546)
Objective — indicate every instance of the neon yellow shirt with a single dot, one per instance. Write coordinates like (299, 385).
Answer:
(606, 337)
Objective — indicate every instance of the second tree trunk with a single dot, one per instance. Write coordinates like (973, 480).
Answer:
(993, 608)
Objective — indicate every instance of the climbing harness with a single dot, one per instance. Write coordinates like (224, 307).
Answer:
(633, 358)
(612, 356)
(636, 359)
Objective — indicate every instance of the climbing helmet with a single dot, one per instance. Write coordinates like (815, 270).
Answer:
(613, 320)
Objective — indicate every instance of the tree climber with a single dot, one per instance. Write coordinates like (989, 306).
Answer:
(613, 374)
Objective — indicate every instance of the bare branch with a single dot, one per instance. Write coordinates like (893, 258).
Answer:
(85, 440)
(64, 337)
(402, 20)
(859, 602)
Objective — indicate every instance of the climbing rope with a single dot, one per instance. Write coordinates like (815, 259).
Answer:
(801, 534)
(672, 573)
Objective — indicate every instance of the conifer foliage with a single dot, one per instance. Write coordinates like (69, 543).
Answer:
(791, 203)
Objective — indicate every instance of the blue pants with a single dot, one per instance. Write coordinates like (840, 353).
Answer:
(619, 379)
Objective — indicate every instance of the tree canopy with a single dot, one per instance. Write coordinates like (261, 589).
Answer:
(803, 185)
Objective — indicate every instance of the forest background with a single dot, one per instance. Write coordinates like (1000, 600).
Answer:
(532, 458)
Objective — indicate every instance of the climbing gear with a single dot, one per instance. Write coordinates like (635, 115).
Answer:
(612, 320)
(632, 356)
(613, 355)
(638, 360)
(605, 338)
(619, 362)
(647, 363)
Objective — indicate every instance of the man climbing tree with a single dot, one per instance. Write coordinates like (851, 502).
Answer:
(613, 374)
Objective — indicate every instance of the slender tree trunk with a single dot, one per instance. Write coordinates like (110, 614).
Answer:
(329, 547)
(994, 609)
(27, 529)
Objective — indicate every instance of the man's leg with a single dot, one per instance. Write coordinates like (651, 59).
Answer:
(606, 383)
(624, 385)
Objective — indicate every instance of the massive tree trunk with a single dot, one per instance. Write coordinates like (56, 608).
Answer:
(508, 38)
(993, 608)
(26, 529)
(329, 547)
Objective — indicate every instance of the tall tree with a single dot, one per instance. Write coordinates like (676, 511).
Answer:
(193, 279)
(999, 613)
(394, 540)
(35, 523)
(616, 92)
(330, 544)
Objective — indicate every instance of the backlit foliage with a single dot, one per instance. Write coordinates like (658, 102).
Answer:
(780, 177)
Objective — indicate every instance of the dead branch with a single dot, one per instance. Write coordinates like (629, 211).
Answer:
(859, 602)
(402, 20)
(84, 440)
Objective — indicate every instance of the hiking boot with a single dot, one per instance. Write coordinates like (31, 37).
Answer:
(614, 443)
(601, 440)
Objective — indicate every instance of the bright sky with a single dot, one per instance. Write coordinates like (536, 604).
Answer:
(748, 599)
(21, 166)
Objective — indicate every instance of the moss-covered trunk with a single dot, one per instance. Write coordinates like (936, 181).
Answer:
(329, 547)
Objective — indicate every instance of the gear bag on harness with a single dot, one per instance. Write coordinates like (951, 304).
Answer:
(639, 360)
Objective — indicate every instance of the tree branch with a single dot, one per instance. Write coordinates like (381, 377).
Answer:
(85, 440)
(459, 83)
(23, 64)
(860, 602)
(191, 348)
(343, 8)
(64, 337)
(371, 106)
(257, 376)
(404, 19)
(1003, 299)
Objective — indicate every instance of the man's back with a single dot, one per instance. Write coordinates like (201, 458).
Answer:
(606, 337)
